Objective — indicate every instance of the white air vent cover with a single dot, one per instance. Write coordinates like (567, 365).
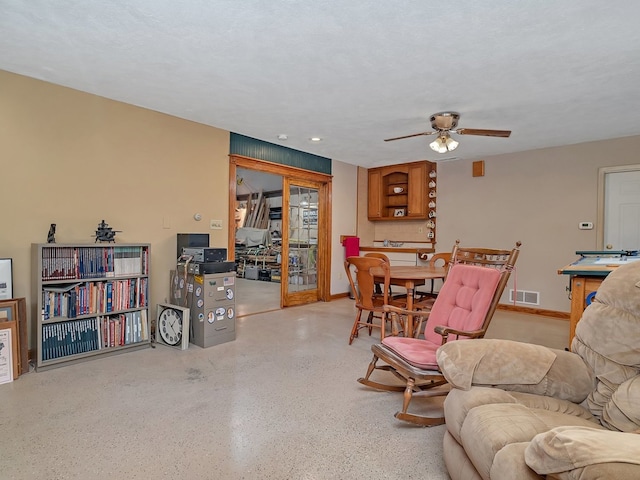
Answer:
(525, 297)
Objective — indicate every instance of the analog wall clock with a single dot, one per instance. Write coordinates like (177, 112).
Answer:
(172, 326)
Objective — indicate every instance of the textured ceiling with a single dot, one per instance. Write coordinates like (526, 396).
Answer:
(351, 72)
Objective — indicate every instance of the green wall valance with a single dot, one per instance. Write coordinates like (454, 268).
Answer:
(261, 150)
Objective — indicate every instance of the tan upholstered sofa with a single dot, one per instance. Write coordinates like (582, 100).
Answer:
(522, 411)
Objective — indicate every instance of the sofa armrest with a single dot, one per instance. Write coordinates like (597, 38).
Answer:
(563, 449)
(515, 366)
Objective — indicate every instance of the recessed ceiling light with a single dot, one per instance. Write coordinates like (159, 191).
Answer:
(282, 136)
(315, 139)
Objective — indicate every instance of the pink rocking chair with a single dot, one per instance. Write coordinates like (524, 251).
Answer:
(462, 310)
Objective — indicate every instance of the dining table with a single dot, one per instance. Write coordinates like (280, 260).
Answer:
(410, 277)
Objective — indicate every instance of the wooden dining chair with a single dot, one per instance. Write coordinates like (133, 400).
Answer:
(397, 299)
(463, 310)
(362, 281)
(424, 298)
(378, 286)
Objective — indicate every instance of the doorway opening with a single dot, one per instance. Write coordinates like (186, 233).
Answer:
(303, 206)
(258, 241)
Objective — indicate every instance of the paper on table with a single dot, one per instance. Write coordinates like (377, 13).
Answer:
(616, 261)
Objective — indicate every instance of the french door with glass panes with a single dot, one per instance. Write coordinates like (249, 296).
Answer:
(301, 240)
(310, 244)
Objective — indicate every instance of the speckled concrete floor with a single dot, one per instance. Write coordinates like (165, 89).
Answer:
(280, 402)
(255, 296)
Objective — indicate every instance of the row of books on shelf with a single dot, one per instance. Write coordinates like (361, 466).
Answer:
(69, 263)
(91, 334)
(88, 298)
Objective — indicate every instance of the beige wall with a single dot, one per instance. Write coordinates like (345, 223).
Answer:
(343, 220)
(537, 197)
(74, 159)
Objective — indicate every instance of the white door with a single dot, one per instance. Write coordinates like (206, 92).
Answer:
(621, 209)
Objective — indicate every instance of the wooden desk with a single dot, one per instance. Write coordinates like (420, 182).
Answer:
(410, 277)
(586, 274)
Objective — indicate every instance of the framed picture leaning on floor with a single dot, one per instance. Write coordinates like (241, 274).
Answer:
(14, 311)
(6, 278)
(8, 351)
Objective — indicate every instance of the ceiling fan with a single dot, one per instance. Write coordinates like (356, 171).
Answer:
(445, 123)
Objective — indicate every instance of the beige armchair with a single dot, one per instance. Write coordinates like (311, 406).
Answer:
(525, 411)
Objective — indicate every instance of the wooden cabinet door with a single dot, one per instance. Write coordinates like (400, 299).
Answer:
(374, 204)
(418, 197)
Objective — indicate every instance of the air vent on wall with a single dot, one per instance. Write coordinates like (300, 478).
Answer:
(525, 297)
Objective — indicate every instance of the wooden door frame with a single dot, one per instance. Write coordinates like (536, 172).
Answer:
(602, 173)
(324, 224)
(301, 297)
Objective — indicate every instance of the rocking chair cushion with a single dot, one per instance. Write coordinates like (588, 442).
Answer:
(462, 304)
(417, 352)
(463, 301)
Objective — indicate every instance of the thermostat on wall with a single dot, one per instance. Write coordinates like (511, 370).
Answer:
(585, 225)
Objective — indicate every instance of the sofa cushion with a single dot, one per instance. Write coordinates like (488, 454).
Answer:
(487, 429)
(569, 447)
(459, 403)
(552, 404)
(623, 411)
(458, 464)
(508, 464)
(516, 366)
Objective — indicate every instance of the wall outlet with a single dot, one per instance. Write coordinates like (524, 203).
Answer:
(585, 225)
(215, 224)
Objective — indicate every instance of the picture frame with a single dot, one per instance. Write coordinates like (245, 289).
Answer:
(23, 339)
(6, 278)
(9, 369)
(165, 313)
(15, 310)
(8, 310)
(398, 212)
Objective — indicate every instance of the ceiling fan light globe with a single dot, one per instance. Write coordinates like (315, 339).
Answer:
(451, 144)
(438, 146)
(443, 144)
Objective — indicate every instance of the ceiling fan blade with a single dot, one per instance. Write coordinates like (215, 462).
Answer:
(484, 133)
(409, 136)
